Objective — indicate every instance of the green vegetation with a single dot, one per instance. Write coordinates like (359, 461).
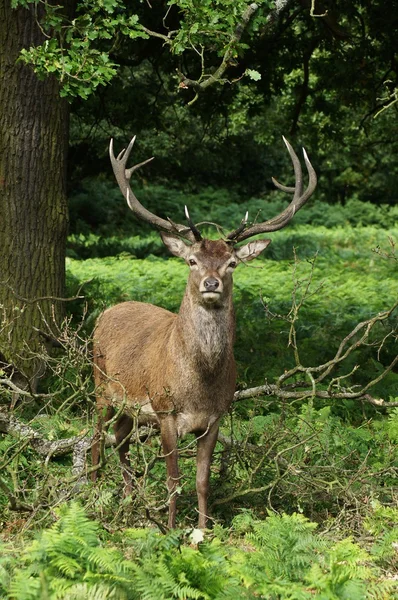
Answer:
(303, 490)
(303, 481)
(97, 209)
(280, 558)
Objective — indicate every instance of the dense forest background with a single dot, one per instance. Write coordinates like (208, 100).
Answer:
(304, 475)
(319, 81)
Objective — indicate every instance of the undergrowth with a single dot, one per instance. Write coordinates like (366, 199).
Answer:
(278, 558)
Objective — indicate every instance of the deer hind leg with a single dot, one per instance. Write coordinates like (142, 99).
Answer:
(206, 444)
(168, 432)
(123, 429)
(105, 414)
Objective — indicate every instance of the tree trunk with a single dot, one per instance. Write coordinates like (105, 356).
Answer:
(33, 208)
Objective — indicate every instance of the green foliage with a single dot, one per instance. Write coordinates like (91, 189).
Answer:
(254, 75)
(209, 24)
(343, 574)
(280, 558)
(98, 208)
(78, 51)
(296, 78)
(231, 137)
(286, 546)
(334, 461)
(72, 52)
(382, 524)
(78, 80)
(67, 561)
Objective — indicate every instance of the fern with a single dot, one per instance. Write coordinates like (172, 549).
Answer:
(279, 558)
(344, 573)
(83, 591)
(393, 424)
(64, 555)
(287, 545)
(25, 587)
(382, 523)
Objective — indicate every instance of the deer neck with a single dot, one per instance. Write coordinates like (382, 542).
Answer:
(206, 332)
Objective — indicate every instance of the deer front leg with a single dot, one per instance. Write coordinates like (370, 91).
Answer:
(168, 432)
(204, 453)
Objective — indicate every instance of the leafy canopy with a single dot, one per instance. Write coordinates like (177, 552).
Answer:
(81, 51)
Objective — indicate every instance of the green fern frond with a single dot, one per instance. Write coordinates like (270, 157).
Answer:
(286, 545)
(6, 566)
(233, 590)
(382, 589)
(83, 591)
(74, 521)
(25, 588)
(279, 558)
(148, 586)
(66, 565)
(107, 560)
(186, 592)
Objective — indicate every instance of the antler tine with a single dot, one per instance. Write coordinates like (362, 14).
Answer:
(192, 226)
(123, 175)
(234, 234)
(283, 188)
(298, 174)
(311, 172)
(299, 199)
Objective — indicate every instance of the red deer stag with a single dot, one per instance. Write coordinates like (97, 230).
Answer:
(179, 368)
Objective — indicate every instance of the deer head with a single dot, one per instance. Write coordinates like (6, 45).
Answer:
(211, 265)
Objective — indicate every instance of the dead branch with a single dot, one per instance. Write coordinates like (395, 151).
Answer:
(12, 426)
(286, 394)
(334, 391)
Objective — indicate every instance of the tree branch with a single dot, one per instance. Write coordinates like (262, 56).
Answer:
(275, 390)
(9, 424)
(201, 84)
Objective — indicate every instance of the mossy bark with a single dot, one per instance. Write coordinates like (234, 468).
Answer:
(33, 207)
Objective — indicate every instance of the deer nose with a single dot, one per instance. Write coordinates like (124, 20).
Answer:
(211, 284)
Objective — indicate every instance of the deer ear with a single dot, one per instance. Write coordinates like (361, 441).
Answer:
(251, 250)
(175, 244)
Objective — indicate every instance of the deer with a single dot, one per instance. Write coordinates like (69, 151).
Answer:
(179, 369)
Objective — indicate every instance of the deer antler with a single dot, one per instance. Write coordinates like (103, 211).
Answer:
(299, 199)
(192, 226)
(123, 175)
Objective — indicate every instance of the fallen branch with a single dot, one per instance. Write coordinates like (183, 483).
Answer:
(274, 390)
(9, 424)
(358, 337)
(77, 445)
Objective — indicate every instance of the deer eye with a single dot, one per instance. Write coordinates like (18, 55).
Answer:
(192, 262)
(232, 264)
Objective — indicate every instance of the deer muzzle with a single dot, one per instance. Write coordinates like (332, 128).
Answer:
(211, 284)
(211, 289)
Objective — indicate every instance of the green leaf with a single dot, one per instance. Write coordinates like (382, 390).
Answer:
(254, 75)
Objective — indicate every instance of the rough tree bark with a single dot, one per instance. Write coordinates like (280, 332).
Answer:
(33, 208)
